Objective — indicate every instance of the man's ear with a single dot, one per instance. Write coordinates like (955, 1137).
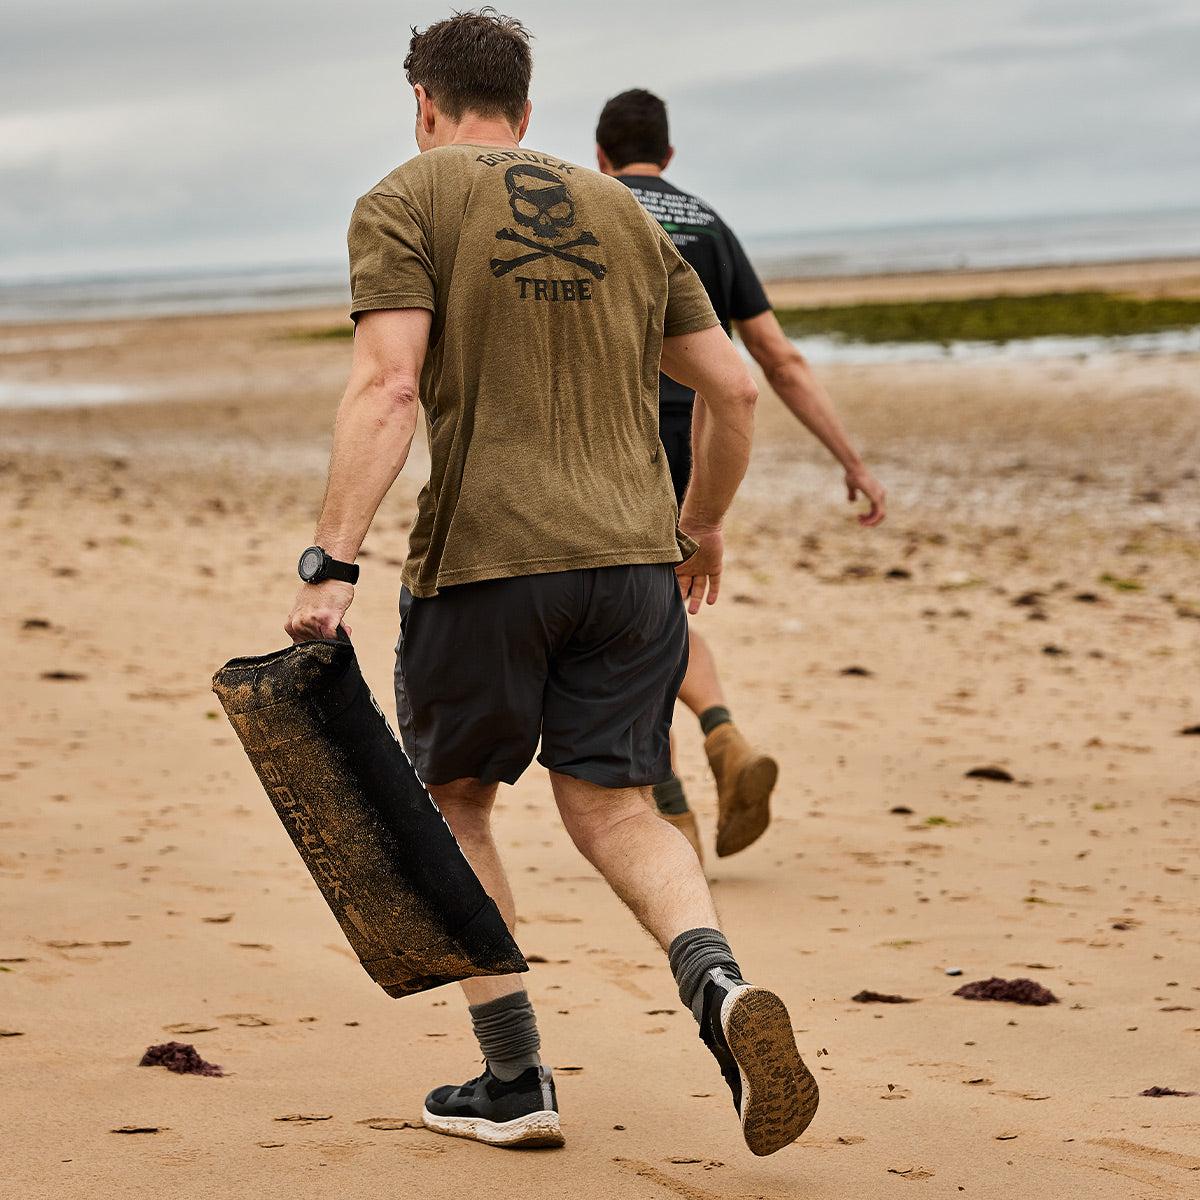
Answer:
(666, 162)
(604, 162)
(525, 120)
(426, 116)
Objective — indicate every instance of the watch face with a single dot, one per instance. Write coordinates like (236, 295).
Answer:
(311, 562)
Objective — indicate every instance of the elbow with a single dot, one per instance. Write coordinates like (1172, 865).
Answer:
(788, 373)
(395, 394)
(399, 389)
(746, 396)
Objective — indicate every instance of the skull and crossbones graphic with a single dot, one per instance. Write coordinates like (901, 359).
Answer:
(540, 202)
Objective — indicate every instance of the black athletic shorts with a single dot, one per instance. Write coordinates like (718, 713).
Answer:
(675, 433)
(587, 661)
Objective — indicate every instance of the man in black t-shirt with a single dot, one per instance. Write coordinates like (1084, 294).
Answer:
(633, 144)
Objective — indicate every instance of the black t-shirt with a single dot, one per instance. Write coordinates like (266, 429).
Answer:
(713, 250)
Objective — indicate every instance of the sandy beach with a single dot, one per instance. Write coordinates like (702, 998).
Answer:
(1031, 606)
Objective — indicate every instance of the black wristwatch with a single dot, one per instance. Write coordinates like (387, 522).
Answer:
(315, 565)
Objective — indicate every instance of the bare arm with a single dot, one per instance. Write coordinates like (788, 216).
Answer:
(371, 438)
(722, 428)
(793, 380)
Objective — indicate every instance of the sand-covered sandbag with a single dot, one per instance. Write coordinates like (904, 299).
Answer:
(380, 851)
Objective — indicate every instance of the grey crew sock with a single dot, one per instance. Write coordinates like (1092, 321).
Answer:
(507, 1032)
(692, 955)
(669, 796)
(713, 716)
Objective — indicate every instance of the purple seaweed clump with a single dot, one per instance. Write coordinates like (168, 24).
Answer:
(1162, 1091)
(1018, 991)
(180, 1058)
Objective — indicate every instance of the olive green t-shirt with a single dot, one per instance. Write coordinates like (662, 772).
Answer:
(551, 291)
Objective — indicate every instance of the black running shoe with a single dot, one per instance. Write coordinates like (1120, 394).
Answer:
(523, 1112)
(750, 1035)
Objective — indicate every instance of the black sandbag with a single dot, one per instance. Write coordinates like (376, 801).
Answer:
(380, 851)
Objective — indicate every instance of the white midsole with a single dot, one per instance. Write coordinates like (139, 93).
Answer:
(538, 1124)
(726, 1005)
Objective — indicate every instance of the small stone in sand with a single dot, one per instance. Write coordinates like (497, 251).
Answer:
(180, 1058)
(999, 774)
(1017, 991)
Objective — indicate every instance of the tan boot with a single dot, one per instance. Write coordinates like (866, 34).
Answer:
(685, 822)
(744, 782)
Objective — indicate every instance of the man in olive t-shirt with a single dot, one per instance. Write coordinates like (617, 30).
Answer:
(526, 305)
(545, 282)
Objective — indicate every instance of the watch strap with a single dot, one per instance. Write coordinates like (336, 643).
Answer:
(335, 569)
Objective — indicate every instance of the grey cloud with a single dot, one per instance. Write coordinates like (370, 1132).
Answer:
(249, 121)
(62, 54)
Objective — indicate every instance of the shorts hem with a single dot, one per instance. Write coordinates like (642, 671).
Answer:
(607, 779)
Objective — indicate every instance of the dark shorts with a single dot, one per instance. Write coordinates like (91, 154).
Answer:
(675, 433)
(588, 661)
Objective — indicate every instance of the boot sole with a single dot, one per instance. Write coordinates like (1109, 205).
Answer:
(535, 1129)
(749, 813)
(779, 1093)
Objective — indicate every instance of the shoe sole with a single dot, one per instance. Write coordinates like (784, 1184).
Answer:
(779, 1093)
(534, 1129)
(749, 813)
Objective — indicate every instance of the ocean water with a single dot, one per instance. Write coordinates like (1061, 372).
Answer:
(979, 245)
(175, 293)
(821, 350)
(1013, 243)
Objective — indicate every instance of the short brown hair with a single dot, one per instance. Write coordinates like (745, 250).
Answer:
(633, 128)
(473, 62)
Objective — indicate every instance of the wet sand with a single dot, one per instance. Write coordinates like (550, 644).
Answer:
(1031, 605)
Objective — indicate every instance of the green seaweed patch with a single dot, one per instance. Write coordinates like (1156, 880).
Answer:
(1121, 585)
(335, 333)
(994, 318)
(939, 821)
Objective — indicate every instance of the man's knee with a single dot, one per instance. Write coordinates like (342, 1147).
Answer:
(464, 795)
(588, 810)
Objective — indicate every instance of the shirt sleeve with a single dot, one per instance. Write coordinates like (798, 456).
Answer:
(689, 309)
(391, 263)
(746, 298)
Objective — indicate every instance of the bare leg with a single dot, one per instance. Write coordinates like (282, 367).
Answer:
(646, 861)
(701, 687)
(467, 806)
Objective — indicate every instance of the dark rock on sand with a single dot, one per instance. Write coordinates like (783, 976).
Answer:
(999, 774)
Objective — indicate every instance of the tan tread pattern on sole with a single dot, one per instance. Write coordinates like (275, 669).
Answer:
(779, 1093)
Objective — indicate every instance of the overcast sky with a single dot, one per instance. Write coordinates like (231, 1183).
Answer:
(141, 133)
